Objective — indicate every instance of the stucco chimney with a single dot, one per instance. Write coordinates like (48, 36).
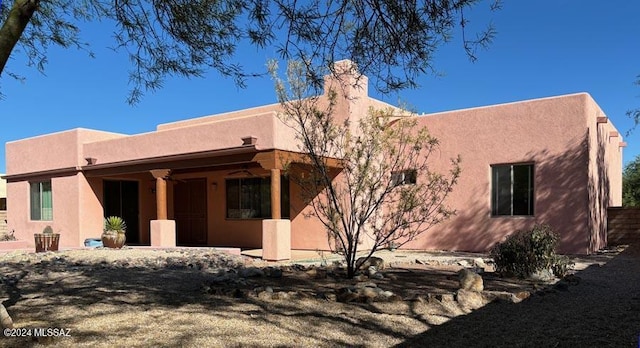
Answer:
(345, 79)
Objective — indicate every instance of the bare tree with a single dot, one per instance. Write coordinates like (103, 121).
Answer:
(383, 190)
(634, 114)
(393, 41)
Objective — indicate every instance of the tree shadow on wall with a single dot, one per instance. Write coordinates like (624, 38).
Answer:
(568, 197)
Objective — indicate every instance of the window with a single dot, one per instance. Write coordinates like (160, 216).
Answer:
(41, 201)
(404, 177)
(250, 198)
(512, 190)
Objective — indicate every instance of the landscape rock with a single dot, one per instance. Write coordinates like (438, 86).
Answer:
(346, 294)
(372, 270)
(470, 299)
(503, 296)
(445, 297)
(522, 295)
(375, 261)
(544, 275)
(264, 295)
(280, 295)
(312, 273)
(479, 262)
(369, 293)
(470, 281)
(363, 292)
(464, 263)
(386, 294)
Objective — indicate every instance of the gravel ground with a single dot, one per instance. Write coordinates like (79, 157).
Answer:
(204, 298)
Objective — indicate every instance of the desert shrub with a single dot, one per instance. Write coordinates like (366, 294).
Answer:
(8, 237)
(561, 266)
(47, 230)
(528, 251)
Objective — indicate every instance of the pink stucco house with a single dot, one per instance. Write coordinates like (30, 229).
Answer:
(218, 180)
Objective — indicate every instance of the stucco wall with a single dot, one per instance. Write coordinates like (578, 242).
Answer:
(220, 117)
(66, 210)
(306, 233)
(51, 151)
(209, 136)
(605, 173)
(552, 133)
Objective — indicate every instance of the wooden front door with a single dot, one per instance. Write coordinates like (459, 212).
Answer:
(190, 211)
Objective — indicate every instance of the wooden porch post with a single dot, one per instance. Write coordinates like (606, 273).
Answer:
(275, 194)
(161, 176)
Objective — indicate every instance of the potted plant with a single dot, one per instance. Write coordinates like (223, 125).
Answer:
(47, 240)
(113, 235)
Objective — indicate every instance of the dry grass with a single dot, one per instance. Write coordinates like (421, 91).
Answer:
(144, 298)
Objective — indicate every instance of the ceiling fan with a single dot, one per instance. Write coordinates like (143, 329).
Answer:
(241, 171)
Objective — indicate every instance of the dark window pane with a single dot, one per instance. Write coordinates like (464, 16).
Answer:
(405, 177)
(233, 198)
(522, 190)
(41, 201)
(284, 197)
(501, 190)
(265, 198)
(250, 198)
(411, 176)
(35, 200)
(512, 190)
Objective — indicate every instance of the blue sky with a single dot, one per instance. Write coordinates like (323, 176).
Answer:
(543, 48)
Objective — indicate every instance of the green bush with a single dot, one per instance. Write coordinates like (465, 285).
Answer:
(529, 251)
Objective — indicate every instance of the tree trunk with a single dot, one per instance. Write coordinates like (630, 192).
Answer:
(351, 271)
(5, 319)
(14, 26)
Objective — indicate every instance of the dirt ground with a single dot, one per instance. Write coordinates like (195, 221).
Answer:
(204, 298)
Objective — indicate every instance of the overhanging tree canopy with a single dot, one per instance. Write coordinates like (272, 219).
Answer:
(391, 41)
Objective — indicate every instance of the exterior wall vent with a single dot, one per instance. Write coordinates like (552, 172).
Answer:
(249, 141)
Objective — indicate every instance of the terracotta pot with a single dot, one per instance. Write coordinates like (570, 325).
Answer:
(46, 241)
(113, 239)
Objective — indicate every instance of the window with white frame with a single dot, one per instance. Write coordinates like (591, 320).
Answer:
(41, 200)
(404, 177)
(512, 190)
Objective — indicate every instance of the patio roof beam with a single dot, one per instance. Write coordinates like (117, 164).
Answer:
(279, 159)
